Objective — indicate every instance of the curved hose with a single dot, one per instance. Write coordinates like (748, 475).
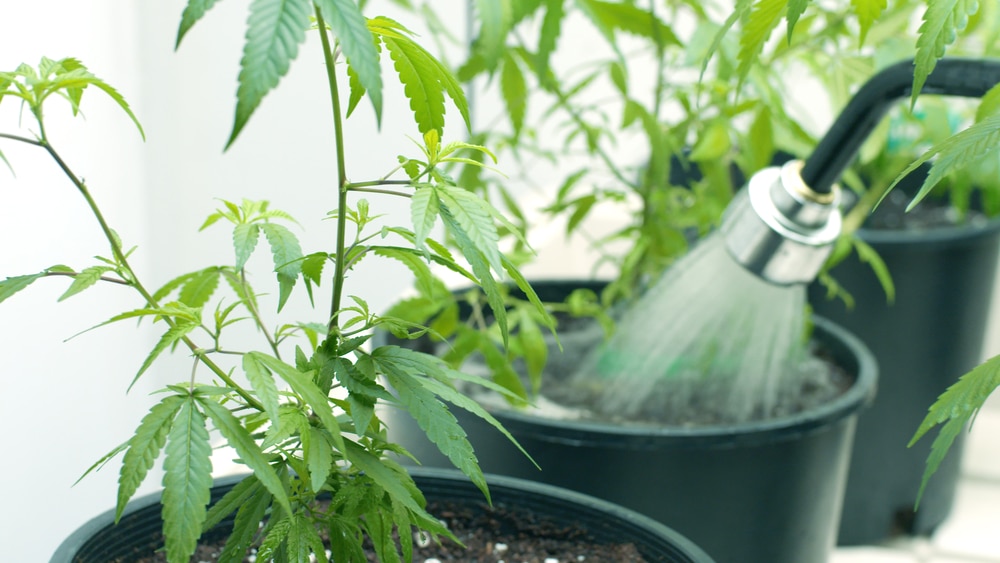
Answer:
(970, 78)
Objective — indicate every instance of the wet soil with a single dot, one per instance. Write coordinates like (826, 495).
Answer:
(500, 534)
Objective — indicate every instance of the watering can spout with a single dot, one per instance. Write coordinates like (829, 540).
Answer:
(782, 226)
(779, 228)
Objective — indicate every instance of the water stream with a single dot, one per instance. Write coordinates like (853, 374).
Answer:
(709, 337)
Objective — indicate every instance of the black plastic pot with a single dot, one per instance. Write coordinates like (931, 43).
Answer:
(99, 540)
(760, 492)
(932, 334)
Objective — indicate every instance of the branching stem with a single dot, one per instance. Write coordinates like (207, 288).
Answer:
(123, 260)
(353, 188)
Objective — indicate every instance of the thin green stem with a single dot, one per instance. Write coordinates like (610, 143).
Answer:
(259, 321)
(382, 182)
(338, 131)
(102, 278)
(133, 280)
(354, 188)
(22, 139)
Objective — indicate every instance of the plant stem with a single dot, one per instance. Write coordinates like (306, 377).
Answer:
(130, 273)
(22, 139)
(382, 182)
(102, 278)
(338, 131)
(354, 188)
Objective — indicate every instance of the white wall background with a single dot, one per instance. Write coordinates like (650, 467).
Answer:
(63, 404)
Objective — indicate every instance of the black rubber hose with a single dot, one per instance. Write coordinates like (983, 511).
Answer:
(970, 78)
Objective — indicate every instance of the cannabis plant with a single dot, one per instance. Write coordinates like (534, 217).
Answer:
(731, 90)
(300, 410)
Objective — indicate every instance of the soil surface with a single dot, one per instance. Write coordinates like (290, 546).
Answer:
(490, 535)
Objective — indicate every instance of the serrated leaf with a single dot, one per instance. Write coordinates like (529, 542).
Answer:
(581, 207)
(363, 391)
(627, 17)
(529, 292)
(310, 393)
(414, 261)
(187, 481)
(549, 33)
(285, 249)
(954, 154)
(77, 78)
(144, 447)
(173, 335)
(740, 10)
(200, 288)
(389, 477)
(797, 7)
(423, 213)
(954, 408)
(85, 279)
(358, 45)
(764, 17)
(303, 541)
(868, 12)
(474, 217)
(501, 370)
(246, 524)
(248, 450)
(319, 457)
(433, 417)
(870, 256)
(494, 17)
(989, 104)
(232, 501)
(514, 91)
(941, 22)
(193, 12)
(171, 285)
(10, 286)
(424, 78)
(533, 347)
(262, 381)
(455, 397)
(275, 29)
(481, 268)
(421, 85)
(275, 537)
(245, 236)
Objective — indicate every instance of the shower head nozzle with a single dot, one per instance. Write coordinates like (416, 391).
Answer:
(779, 228)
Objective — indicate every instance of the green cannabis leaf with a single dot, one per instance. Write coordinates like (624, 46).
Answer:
(494, 22)
(187, 481)
(957, 406)
(425, 80)
(144, 447)
(868, 12)
(954, 154)
(358, 45)
(941, 23)
(764, 17)
(275, 29)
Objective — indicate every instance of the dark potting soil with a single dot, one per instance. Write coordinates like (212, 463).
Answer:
(490, 535)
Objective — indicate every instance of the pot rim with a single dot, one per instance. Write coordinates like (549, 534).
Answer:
(935, 235)
(555, 502)
(860, 394)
